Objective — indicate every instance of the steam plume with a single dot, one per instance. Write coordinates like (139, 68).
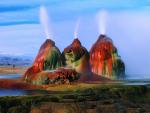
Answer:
(77, 28)
(102, 19)
(45, 22)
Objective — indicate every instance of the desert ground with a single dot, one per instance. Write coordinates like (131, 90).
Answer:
(12, 70)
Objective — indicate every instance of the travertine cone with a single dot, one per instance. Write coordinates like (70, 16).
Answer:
(77, 57)
(104, 59)
(48, 58)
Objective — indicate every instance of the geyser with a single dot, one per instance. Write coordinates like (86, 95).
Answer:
(102, 19)
(77, 28)
(45, 22)
(105, 60)
(48, 58)
(77, 57)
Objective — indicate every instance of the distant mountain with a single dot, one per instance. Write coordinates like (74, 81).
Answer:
(10, 60)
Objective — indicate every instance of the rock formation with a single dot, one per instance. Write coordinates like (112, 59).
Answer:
(48, 58)
(77, 57)
(104, 59)
(58, 76)
(75, 63)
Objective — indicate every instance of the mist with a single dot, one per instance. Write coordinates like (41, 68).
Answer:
(130, 33)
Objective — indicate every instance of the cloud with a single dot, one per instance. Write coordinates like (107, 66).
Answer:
(18, 23)
(15, 8)
(22, 39)
(19, 5)
(68, 9)
(19, 17)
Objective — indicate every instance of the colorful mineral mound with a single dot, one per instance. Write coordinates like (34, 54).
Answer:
(75, 63)
(48, 58)
(58, 76)
(77, 57)
(104, 59)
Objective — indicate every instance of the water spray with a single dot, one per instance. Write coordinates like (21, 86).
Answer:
(77, 28)
(45, 22)
(102, 19)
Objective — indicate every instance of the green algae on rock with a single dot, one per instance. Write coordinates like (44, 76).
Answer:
(77, 57)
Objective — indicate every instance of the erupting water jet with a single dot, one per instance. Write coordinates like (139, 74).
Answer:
(45, 22)
(102, 19)
(77, 28)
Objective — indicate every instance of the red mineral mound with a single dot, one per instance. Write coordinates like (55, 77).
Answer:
(103, 58)
(48, 57)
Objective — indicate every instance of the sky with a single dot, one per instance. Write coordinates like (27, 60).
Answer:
(128, 24)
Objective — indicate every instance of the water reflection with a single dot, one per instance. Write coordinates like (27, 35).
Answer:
(19, 92)
(11, 76)
(12, 92)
